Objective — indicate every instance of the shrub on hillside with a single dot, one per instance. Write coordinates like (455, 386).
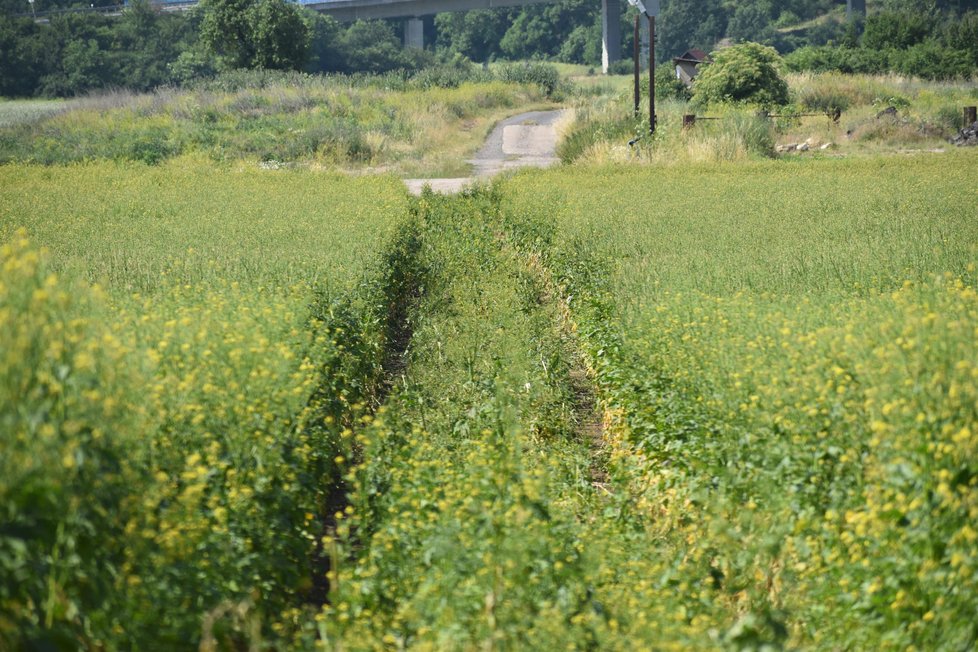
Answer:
(748, 72)
(543, 75)
(621, 67)
(930, 60)
(899, 30)
(667, 86)
(450, 74)
(962, 34)
(833, 59)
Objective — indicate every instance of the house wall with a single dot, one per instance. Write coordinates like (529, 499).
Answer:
(685, 72)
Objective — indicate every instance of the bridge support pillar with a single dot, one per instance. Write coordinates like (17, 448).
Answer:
(854, 8)
(414, 33)
(610, 33)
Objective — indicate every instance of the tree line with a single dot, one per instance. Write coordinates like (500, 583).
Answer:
(144, 47)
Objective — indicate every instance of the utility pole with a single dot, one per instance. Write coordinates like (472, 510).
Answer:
(652, 119)
(635, 50)
(651, 12)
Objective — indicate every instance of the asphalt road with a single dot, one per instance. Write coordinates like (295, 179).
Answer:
(524, 140)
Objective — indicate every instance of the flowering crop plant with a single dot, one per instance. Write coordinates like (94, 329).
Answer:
(720, 406)
(787, 361)
(174, 387)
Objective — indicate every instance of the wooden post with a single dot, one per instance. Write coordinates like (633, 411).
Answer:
(689, 121)
(652, 74)
(970, 115)
(635, 51)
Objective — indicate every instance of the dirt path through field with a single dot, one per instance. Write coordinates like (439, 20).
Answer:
(524, 140)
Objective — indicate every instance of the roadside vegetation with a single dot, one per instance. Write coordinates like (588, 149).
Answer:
(427, 122)
(876, 114)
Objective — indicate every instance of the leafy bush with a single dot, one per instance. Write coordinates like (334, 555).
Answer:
(836, 59)
(900, 30)
(450, 74)
(621, 67)
(543, 75)
(747, 73)
(931, 60)
(667, 86)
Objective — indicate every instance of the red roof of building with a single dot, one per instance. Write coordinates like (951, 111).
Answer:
(693, 55)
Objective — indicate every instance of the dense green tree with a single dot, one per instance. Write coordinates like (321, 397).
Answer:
(145, 41)
(931, 60)
(748, 72)
(77, 55)
(752, 21)
(21, 57)
(372, 46)
(325, 54)
(280, 35)
(84, 66)
(583, 45)
(475, 34)
(255, 33)
(540, 30)
(963, 35)
(684, 24)
(898, 29)
(226, 31)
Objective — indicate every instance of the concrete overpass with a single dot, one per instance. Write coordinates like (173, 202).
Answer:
(413, 11)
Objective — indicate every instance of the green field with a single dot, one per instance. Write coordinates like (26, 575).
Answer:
(787, 362)
(711, 406)
(170, 427)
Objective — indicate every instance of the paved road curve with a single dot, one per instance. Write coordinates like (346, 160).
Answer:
(524, 140)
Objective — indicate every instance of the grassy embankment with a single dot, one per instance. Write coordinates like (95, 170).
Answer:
(411, 127)
(16, 112)
(928, 114)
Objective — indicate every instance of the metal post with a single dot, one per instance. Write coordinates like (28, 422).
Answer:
(638, 92)
(652, 116)
(970, 115)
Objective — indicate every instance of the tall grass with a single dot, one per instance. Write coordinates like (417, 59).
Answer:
(319, 121)
(17, 112)
(928, 114)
